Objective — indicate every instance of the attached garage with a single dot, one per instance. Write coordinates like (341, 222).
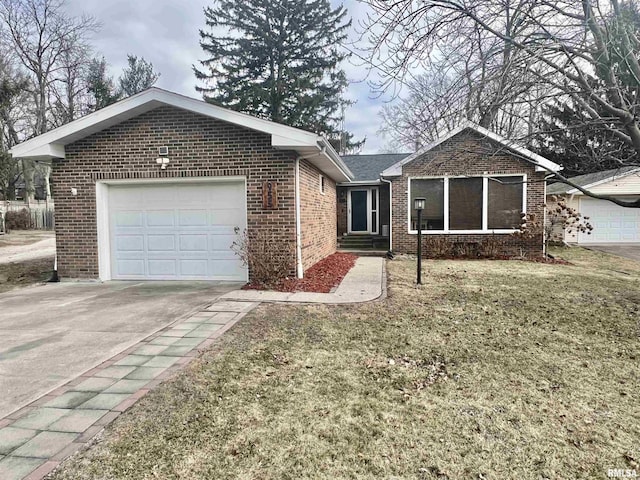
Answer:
(158, 186)
(174, 231)
(611, 223)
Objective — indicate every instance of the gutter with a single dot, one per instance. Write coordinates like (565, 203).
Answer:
(326, 146)
(299, 268)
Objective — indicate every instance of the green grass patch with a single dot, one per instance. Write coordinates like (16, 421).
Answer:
(490, 370)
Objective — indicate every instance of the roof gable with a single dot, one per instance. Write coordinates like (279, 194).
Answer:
(590, 180)
(542, 164)
(309, 145)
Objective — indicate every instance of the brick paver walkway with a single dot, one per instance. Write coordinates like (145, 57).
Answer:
(36, 438)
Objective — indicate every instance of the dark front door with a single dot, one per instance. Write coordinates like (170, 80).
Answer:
(359, 211)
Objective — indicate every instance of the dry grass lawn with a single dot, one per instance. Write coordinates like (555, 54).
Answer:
(24, 237)
(491, 370)
(22, 274)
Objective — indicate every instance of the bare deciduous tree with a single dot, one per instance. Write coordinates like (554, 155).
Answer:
(584, 52)
(43, 36)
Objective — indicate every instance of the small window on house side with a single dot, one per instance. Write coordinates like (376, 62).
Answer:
(322, 180)
(433, 215)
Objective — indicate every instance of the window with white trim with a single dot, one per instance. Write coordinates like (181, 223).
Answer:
(469, 204)
(322, 180)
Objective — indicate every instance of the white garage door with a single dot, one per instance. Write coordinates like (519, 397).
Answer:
(176, 231)
(611, 223)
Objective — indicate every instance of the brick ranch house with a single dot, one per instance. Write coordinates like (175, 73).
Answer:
(159, 186)
(476, 183)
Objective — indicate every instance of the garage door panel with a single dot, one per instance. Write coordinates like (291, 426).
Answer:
(161, 243)
(611, 223)
(130, 243)
(130, 268)
(129, 219)
(227, 269)
(162, 267)
(222, 243)
(193, 243)
(179, 231)
(226, 217)
(194, 268)
(160, 218)
(192, 218)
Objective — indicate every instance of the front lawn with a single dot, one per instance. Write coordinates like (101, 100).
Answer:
(23, 274)
(491, 370)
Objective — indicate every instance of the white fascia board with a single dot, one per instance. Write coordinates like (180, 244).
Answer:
(356, 183)
(44, 152)
(541, 163)
(148, 100)
(575, 191)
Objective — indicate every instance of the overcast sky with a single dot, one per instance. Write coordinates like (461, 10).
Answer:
(165, 32)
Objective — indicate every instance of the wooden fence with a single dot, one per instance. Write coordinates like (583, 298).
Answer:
(41, 213)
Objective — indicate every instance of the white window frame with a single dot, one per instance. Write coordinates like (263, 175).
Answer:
(485, 204)
(321, 184)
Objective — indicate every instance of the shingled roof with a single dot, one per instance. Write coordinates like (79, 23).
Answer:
(369, 167)
(589, 179)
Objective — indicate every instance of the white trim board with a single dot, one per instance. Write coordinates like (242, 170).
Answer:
(315, 147)
(485, 204)
(612, 178)
(541, 163)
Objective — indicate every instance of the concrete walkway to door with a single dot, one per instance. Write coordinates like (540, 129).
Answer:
(365, 282)
(52, 333)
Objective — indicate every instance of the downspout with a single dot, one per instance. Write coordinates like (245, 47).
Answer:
(544, 221)
(299, 269)
(390, 212)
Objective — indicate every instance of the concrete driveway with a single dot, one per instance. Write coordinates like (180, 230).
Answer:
(52, 333)
(626, 250)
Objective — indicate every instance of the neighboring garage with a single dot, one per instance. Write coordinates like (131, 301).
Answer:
(176, 231)
(159, 186)
(611, 223)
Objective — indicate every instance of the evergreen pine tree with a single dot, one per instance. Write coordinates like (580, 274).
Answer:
(138, 76)
(276, 59)
(100, 85)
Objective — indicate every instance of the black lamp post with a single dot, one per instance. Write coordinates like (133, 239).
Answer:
(419, 204)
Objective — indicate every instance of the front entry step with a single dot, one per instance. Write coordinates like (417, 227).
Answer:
(363, 242)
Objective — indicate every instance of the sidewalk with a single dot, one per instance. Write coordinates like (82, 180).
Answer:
(37, 438)
(366, 281)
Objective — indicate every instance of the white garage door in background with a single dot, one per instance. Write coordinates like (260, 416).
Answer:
(611, 223)
(176, 231)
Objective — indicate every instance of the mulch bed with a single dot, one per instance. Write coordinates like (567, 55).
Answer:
(323, 277)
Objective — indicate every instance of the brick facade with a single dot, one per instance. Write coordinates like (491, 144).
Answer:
(467, 154)
(318, 215)
(198, 147)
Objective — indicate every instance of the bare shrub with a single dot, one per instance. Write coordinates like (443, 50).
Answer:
(269, 258)
(491, 247)
(17, 220)
(562, 218)
(437, 247)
